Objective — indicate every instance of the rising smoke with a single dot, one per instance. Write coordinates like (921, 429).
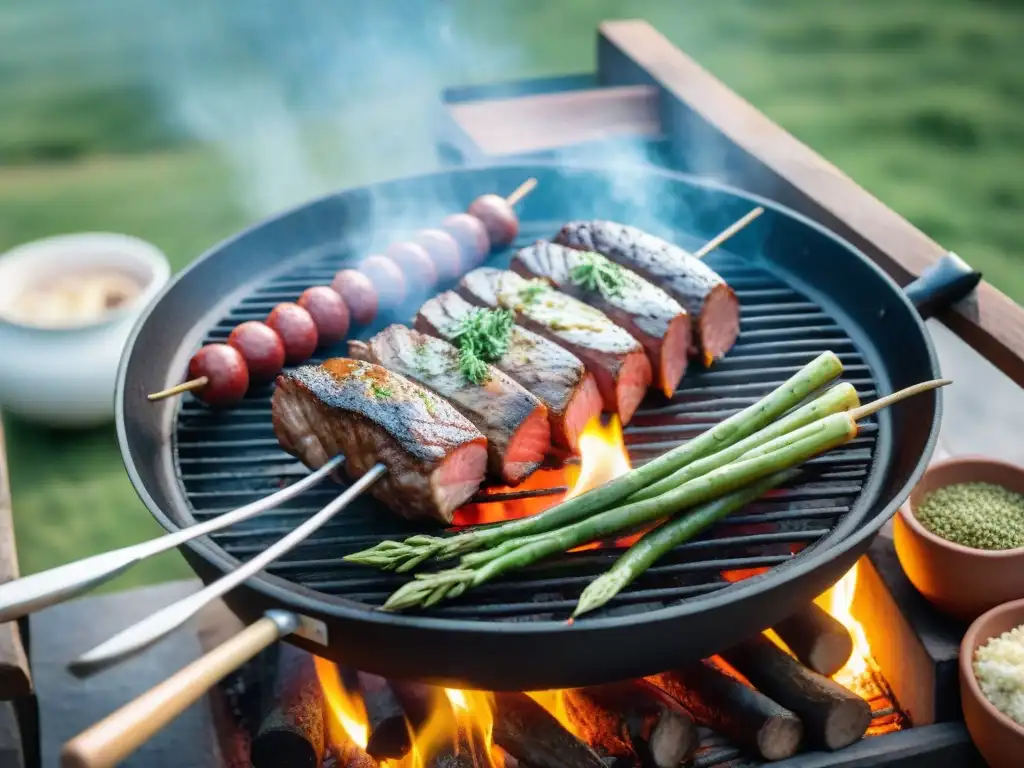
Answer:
(301, 97)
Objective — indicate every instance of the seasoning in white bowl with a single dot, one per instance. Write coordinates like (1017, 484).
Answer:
(73, 300)
(999, 669)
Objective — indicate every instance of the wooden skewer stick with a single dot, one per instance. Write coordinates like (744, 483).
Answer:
(177, 389)
(521, 191)
(728, 232)
(884, 402)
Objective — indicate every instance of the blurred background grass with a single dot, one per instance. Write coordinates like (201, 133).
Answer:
(124, 115)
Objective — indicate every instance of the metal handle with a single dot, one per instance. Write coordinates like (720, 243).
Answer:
(30, 593)
(140, 636)
(114, 738)
(942, 285)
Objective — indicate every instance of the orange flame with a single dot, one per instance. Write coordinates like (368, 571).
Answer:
(838, 601)
(603, 456)
(554, 703)
(349, 721)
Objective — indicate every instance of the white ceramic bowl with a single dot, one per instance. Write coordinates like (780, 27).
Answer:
(64, 377)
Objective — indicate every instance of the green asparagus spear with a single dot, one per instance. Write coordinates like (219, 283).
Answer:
(663, 539)
(841, 397)
(402, 556)
(786, 441)
(820, 436)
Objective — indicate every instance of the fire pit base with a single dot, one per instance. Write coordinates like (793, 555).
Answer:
(915, 646)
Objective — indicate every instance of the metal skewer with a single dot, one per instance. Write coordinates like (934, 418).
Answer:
(31, 593)
(143, 634)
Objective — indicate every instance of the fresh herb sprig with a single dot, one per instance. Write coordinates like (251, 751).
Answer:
(482, 337)
(532, 291)
(596, 273)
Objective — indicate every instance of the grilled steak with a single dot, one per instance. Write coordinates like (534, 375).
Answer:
(651, 316)
(514, 422)
(615, 358)
(554, 375)
(712, 304)
(435, 457)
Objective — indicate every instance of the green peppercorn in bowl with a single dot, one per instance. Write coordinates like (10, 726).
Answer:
(960, 535)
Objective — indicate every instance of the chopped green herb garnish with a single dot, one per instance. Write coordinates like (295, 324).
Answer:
(532, 291)
(596, 273)
(428, 403)
(482, 337)
(380, 391)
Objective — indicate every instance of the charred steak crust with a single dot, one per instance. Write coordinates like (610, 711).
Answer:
(497, 407)
(687, 279)
(643, 309)
(551, 372)
(434, 455)
(610, 353)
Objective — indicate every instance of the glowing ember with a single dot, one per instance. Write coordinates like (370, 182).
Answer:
(603, 456)
(348, 721)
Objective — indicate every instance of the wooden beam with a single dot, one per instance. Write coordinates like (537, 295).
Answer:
(15, 677)
(551, 121)
(751, 151)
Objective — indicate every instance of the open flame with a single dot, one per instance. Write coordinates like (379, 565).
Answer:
(603, 456)
(349, 721)
(838, 601)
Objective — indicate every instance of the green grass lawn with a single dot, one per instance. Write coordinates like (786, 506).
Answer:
(920, 102)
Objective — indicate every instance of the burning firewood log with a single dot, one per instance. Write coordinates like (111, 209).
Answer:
(735, 710)
(634, 720)
(833, 717)
(529, 733)
(817, 638)
(292, 731)
(348, 754)
(388, 731)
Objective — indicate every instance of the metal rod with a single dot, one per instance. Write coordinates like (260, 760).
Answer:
(31, 593)
(143, 634)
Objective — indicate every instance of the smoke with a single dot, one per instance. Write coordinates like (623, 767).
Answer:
(301, 97)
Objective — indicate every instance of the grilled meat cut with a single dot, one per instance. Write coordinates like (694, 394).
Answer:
(554, 375)
(616, 359)
(712, 304)
(514, 422)
(436, 458)
(650, 315)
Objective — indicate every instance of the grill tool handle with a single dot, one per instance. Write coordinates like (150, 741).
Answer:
(112, 739)
(143, 634)
(942, 285)
(40, 590)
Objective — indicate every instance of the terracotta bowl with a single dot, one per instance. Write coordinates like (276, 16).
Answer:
(960, 581)
(999, 739)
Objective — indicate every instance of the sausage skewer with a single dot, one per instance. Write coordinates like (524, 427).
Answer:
(220, 373)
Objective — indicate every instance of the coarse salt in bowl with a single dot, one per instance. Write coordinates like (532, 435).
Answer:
(998, 737)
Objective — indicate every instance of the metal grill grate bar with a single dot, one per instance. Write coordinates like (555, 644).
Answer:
(229, 458)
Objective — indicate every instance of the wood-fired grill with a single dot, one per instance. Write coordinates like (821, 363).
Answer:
(226, 460)
(802, 291)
